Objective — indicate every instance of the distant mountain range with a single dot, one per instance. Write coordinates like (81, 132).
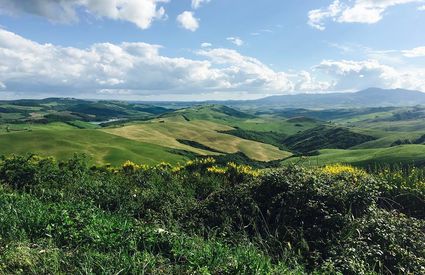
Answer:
(372, 97)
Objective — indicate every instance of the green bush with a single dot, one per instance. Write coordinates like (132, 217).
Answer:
(208, 218)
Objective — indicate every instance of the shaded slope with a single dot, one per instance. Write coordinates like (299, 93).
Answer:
(325, 137)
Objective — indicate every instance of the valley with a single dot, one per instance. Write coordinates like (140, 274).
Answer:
(112, 132)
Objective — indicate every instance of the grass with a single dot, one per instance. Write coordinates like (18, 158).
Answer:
(245, 121)
(167, 131)
(202, 217)
(413, 154)
(100, 146)
(27, 127)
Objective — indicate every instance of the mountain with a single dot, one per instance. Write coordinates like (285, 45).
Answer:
(372, 97)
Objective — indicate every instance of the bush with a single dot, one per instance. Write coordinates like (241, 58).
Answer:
(204, 217)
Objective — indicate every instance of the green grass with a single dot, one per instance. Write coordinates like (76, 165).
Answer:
(167, 131)
(208, 218)
(245, 121)
(407, 154)
(101, 147)
(10, 116)
(28, 127)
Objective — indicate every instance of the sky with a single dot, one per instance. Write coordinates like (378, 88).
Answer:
(208, 49)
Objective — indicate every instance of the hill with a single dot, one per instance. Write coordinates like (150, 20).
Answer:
(325, 137)
(201, 127)
(396, 155)
(372, 97)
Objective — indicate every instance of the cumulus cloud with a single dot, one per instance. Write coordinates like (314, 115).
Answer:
(306, 82)
(206, 45)
(248, 73)
(128, 68)
(188, 21)
(140, 12)
(358, 11)
(355, 75)
(197, 3)
(416, 52)
(235, 40)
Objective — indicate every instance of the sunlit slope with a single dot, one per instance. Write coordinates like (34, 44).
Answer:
(234, 118)
(406, 154)
(169, 130)
(100, 146)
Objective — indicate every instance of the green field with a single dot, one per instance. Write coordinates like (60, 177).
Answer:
(167, 131)
(407, 154)
(101, 147)
(113, 132)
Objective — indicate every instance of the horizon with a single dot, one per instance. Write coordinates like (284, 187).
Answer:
(156, 50)
(214, 100)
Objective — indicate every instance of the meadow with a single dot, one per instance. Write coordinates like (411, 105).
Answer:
(112, 132)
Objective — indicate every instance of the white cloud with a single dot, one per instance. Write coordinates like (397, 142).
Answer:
(356, 75)
(235, 40)
(308, 83)
(128, 69)
(248, 73)
(197, 3)
(140, 12)
(421, 8)
(357, 11)
(316, 17)
(206, 45)
(131, 70)
(416, 52)
(188, 21)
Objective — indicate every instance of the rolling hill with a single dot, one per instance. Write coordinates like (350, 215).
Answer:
(113, 132)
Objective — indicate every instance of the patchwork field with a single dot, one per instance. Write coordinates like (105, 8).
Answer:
(168, 131)
(113, 132)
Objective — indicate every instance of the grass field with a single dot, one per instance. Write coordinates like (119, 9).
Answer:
(245, 121)
(168, 130)
(101, 147)
(150, 134)
(413, 154)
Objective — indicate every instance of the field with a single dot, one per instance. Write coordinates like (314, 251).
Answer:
(127, 188)
(101, 147)
(111, 132)
(168, 131)
(404, 154)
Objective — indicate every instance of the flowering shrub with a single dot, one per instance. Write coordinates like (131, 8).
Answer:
(339, 169)
(316, 217)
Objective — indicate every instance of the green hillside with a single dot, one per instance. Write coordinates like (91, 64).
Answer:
(112, 132)
(101, 147)
(404, 154)
(168, 130)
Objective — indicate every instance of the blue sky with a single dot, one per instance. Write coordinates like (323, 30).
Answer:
(208, 49)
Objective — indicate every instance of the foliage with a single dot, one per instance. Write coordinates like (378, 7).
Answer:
(203, 217)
